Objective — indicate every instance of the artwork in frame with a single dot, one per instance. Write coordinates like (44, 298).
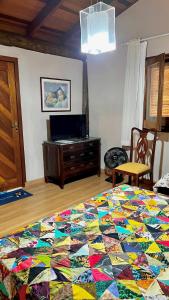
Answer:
(55, 94)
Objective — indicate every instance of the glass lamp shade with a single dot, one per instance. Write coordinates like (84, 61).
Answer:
(98, 28)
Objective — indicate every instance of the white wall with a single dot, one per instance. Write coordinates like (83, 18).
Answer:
(107, 71)
(106, 75)
(32, 66)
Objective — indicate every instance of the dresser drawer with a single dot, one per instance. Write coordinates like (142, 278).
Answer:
(73, 147)
(79, 168)
(82, 155)
(80, 146)
(92, 144)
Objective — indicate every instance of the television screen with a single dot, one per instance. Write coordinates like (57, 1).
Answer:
(67, 126)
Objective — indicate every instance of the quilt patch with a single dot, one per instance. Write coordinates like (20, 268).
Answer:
(113, 246)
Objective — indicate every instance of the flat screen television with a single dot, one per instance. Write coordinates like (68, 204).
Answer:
(67, 127)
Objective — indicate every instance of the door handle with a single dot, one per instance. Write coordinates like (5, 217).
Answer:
(15, 125)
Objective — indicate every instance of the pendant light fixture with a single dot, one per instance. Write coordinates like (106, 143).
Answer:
(97, 24)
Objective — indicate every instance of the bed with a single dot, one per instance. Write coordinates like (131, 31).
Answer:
(113, 246)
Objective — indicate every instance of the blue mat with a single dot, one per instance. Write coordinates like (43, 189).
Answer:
(11, 196)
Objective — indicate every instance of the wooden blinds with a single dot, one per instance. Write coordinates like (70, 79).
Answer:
(165, 101)
(156, 103)
(153, 75)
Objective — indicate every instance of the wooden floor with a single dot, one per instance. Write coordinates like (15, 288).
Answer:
(47, 199)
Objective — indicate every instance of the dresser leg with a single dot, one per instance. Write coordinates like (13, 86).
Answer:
(61, 184)
(46, 179)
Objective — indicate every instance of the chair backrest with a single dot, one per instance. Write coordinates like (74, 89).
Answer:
(143, 143)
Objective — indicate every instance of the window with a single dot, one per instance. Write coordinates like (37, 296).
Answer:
(156, 106)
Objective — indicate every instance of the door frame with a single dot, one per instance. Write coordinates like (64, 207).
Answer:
(14, 60)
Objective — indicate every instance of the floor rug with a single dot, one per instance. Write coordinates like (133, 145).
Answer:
(113, 246)
(14, 195)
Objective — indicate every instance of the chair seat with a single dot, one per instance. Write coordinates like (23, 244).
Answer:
(134, 168)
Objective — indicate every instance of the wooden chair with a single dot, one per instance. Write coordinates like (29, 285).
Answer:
(142, 153)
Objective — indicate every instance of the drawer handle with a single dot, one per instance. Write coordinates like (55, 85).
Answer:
(72, 168)
(82, 165)
(71, 147)
(90, 144)
(91, 153)
(91, 163)
(82, 154)
(72, 156)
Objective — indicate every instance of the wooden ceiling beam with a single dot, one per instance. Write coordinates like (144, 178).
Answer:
(118, 5)
(52, 31)
(124, 2)
(13, 19)
(13, 39)
(48, 9)
(67, 9)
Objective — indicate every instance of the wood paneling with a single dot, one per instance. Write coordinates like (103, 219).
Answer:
(61, 20)
(45, 12)
(13, 27)
(77, 5)
(58, 24)
(43, 19)
(48, 199)
(26, 10)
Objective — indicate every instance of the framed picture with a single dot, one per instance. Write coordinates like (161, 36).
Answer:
(55, 94)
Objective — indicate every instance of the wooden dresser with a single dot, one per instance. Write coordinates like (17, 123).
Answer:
(68, 161)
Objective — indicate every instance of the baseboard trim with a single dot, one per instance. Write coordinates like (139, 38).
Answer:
(34, 181)
(42, 180)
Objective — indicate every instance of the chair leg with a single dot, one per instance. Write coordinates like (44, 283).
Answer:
(113, 178)
(137, 180)
(151, 177)
(132, 180)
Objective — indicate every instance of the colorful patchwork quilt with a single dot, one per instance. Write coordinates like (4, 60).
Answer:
(113, 246)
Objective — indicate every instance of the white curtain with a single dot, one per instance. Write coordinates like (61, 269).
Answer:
(134, 89)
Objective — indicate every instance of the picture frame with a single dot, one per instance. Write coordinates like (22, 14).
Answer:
(55, 94)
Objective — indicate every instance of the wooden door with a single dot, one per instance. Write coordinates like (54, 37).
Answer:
(12, 167)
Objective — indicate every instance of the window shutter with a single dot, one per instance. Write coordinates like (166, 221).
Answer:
(154, 91)
(165, 102)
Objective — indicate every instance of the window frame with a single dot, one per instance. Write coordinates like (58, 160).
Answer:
(161, 59)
